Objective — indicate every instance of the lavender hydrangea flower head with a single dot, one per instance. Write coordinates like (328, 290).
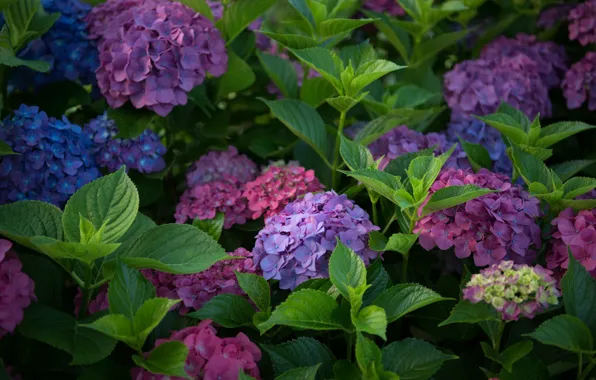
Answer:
(17, 289)
(579, 84)
(295, 245)
(494, 227)
(143, 153)
(384, 6)
(155, 53)
(217, 165)
(54, 158)
(513, 290)
(582, 23)
(553, 15)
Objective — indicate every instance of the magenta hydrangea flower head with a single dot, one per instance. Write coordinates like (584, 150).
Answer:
(384, 6)
(295, 245)
(576, 232)
(582, 22)
(514, 290)
(100, 16)
(143, 153)
(551, 59)
(97, 304)
(16, 289)
(210, 357)
(217, 165)
(579, 84)
(155, 53)
(494, 227)
(277, 186)
(553, 15)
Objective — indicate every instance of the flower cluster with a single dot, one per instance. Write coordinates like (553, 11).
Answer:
(218, 165)
(277, 186)
(210, 357)
(16, 289)
(553, 15)
(575, 232)
(295, 245)
(66, 46)
(143, 153)
(579, 84)
(582, 22)
(154, 53)
(54, 158)
(97, 304)
(99, 17)
(513, 289)
(384, 6)
(494, 227)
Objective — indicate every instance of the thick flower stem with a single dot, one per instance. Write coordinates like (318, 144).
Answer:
(87, 291)
(375, 213)
(349, 346)
(336, 163)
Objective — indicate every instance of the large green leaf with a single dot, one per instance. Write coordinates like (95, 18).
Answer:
(400, 165)
(86, 253)
(355, 155)
(396, 36)
(568, 169)
(399, 242)
(380, 182)
(368, 356)
(322, 60)
(301, 352)
(556, 132)
(21, 221)
(304, 373)
(257, 289)
(467, 312)
(477, 155)
(27, 21)
(510, 355)
(6, 3)
(577, 186)
(212, 227)
(315, 90)
(169, 358)
(566, 332)
(413, 359)
(282, 73)
(5, 149)
(238, 77)
(227, 310)
(346, 269)
(402, 299)
(128, 290)
(337, 26)
(451, 196)
(150, 315)
(579, 293)
(507, 125)
(293, 41)
(305, 12)
(131, 122)
(532, 169)
(370, 72)
(378, 280)
(239, 14)
(428, 49)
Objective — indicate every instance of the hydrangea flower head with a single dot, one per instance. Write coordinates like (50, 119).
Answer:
(295, 244)
(579, 84)
(218, 165)
(384, 6)
(513, 290)
(143, 153)
(100, 16)
(582, 22)
(16, 289)
(210, 357)
(54, 158)
(576, 232)
(277, 186)
(155, 53)
(553, 15)
(494, 227)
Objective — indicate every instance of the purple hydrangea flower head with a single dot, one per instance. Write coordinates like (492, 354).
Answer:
(477, 87)
(217, 165)
(579, 84)
(16, 289)
(100, 16)
(54, 158)
(295, 245)
(143, 153)
(477, 132)
(514, 290)
(390, 7)
(551, 59)
(494, 227)
(155, 53)
(553, 15)
(582, 22)
(66, 46)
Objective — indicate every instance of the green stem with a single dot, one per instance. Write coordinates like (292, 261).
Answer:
(336, 163)
(375, 214)
(389, 223)
(580, 364)
(584, 375)
(87, 291)
(349, 346)
(404, 268)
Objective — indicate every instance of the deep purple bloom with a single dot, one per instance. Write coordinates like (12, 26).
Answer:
(579, 84)
(217, 165)
(390, 7)
(582, 23)
(553, 15)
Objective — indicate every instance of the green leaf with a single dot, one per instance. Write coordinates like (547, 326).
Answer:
(5, 149)
(467, 312)
(518, 116)
(413, 359)
(227, 310)
(568, 169)
(282, 73)
(345, 370)
(579, 293)
(239, 75)
(257, 289)
(21, 221)
(411, 96)
(399, 242)
(305, 309)
(86, 253)
(528, 368)
(511, 355)
(27, 21)
(355, 155)
(60, 330)
(578, 205)
(149, 315)
(301, 352)
(508, 126)
(111, 200)
(292, 41)
(380, 182)
(413, 8)
(117, 326)
(344, 103)
(212, 227)
(370, 72)
(322, 60)
(372, 320)
(422, 173)
(305, 373)
(566, 332)
(358, 54)
(302, 120)
(131, 122)
(305, 12)
(337, 26)
(556, 132)
(477, 155)
(174, 248)
(400, 165)
(239, 14)
(244, 376)
(368, 356)
(128, 290)
(451, 196)
(6, 3)
(315, 90)
(169, 358)
(532, 169)
(403, 299)
(396, 36)
(577, 186)
(199, 6)
(429, 49)
(378, 278)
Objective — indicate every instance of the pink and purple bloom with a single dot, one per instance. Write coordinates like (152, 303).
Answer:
(390, 7)
(514, 290)
(582, 23)
(553, 15)
(579, 84)
(218, 165)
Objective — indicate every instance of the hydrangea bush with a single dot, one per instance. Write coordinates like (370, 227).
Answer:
(303, 189)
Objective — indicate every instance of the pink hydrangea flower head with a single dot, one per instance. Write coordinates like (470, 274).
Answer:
(576, 232)
(277, 186)
(211, 357)
(579, 84)
(97, 304)
(551, 59)
(513, 289)
(295, 244)
(582, 22)
(217, 165)
(494, 227)
(553, 15)
(16, 289)
(155, 53)
(390, 7)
